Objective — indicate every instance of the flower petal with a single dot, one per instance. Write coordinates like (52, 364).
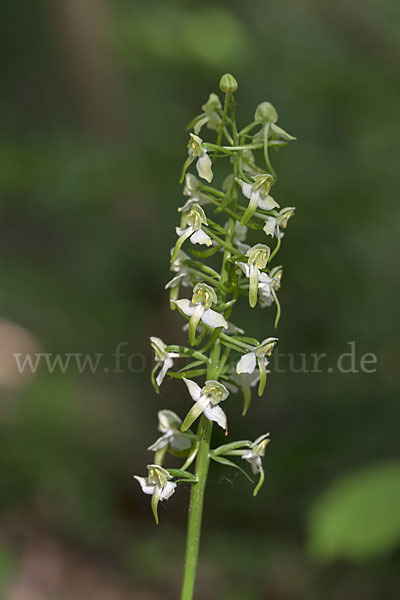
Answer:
(199, 124)
(245, 268)
(167, 364)
(194, 388)
(247, 188)
(203, 167)
(160, 443)
(261, 438)
(168, 490)
(180, 442)
(267, 203)
(215, 413)
(147, 488)
(185, 305)
(247, 363)
(270, 226)
(214, 319)
(168, 420)
(200, 237)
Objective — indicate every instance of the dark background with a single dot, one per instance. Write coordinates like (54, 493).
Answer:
(95, 99)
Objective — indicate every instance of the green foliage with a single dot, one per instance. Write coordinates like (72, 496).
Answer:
(358, 516)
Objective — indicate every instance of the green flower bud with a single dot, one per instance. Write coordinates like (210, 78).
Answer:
(228, 83)
(266, 112)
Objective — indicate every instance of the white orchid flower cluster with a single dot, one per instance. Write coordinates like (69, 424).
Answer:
(219, 255)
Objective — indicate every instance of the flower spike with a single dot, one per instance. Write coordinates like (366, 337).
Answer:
(219, 255)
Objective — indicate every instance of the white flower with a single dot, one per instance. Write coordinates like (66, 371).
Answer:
(192, 222)
(209, 117)
(169, 425)
(258, 194)
(158, 485)
(258, 256)
(249, 361)
(273, 225)
(162, 357)
(192, 189)
(257, 452)
(203, 164)
(267, 113)
(268, 285)
(206, 401)
(257, 357)
(198, 309)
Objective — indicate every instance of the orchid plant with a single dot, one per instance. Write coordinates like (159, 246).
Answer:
(218, 353)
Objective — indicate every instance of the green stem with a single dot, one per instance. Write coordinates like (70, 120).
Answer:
(197, 493)
(221, 128)
(196, 510)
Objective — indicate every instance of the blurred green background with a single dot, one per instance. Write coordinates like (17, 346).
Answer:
(95, 98)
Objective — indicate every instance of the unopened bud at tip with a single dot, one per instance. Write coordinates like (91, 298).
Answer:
(228, 83)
